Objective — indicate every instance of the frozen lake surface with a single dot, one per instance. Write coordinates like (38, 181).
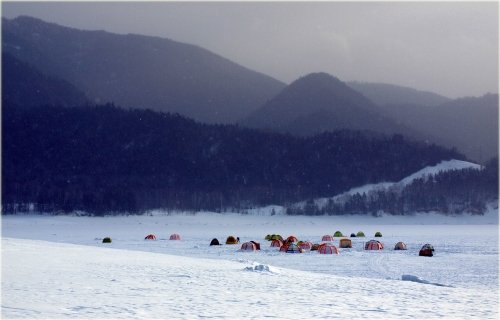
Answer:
(460, 280)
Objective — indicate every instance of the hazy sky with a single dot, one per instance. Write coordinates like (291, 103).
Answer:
(448, 47)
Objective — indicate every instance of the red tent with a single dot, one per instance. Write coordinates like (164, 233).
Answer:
(305, 245)
(175, 236)
(374, 245)
(248, 246)
(328, 249)
(150, 237)
(276, 243)
(327, 237)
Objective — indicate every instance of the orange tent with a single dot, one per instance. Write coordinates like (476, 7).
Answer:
(150, 237)
(291, 239)
(345, 243)
(231, 240)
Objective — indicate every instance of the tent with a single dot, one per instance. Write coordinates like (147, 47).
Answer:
(374, 245)
(257, 244)
(214, 242)
(305, 245)
(426, 251)
(248, 246)
(400, 246)
(175, 236)
(353, 235)
(378, 234)
(276, 243)
(314, 247)
(268, 237)
(284, 247)
(345, 243)
(231, 240)
(328, 249)
(293, 248)
(150, 237)
(360, 234)
(106, 240)
(276, 237)
(338, 234)
(291, 239)
(327, 237)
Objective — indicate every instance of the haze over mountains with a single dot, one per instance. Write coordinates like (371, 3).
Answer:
(160, 74)
(140, 71)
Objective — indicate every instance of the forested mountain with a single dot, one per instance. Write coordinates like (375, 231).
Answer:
(383, 93)
(320, 102)
(104, 159)
(469, 124)
(140, 71)
(26, 87)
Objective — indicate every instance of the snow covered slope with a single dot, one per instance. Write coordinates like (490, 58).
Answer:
(443, 166)
(43, 280)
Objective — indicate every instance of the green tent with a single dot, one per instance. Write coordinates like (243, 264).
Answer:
(268, 237)
(378, 234)
(338, 234)
(360, 234)
(106, 240)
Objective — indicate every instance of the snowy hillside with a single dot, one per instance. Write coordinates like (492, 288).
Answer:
(443, 166)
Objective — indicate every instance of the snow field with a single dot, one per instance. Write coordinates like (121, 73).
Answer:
(47, 280)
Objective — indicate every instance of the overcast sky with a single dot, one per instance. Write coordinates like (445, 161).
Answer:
(449, 48)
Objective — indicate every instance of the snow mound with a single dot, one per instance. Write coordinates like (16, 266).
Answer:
(261, 268)
(412, 278)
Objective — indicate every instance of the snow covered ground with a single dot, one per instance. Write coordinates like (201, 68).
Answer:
(57, 267)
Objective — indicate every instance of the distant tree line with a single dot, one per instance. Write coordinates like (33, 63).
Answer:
(449, 192)
(104, 159)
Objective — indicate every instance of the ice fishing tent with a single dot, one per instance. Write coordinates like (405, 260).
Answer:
(345, 243)
(257, 244)
(305, 245)
(327, 237)
(106, 240)
(248, 246)
(426, 251)
(276, 237)
(338, 234)
(374, 245)
(353, 235)
(328, 249)
(284, 247)
(214, 242)
(150, 237)
(276, 243)
(400, 246)
(378, 234)
(231, 240)
(175, 236)
(291, 239)
(314, 247)
(293, 248)
(360, 234)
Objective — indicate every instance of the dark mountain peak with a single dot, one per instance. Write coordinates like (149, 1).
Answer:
(140, 71)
